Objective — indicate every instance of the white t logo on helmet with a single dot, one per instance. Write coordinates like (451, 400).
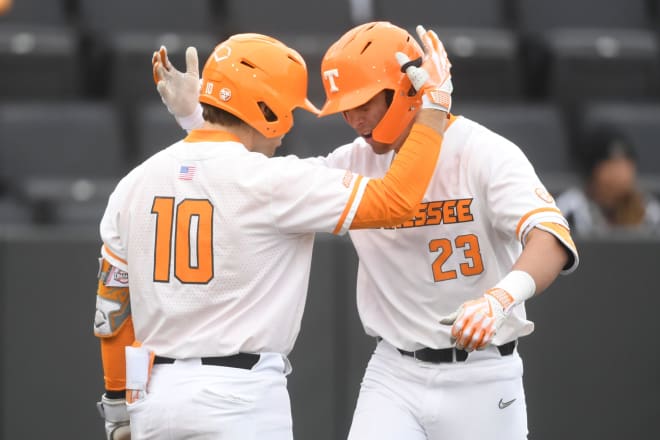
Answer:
(330, 75)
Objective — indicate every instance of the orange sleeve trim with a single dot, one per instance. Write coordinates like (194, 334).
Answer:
(524, 218)
(392, 200)
(113, 355)
(562, 232)
(349, 204)
(113, 255)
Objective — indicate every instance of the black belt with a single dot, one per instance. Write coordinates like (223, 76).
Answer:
(241, 360)
(443, 355)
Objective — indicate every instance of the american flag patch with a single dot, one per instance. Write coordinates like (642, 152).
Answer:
(186, 172)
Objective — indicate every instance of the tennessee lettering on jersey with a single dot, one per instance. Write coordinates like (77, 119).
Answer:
(440, 211)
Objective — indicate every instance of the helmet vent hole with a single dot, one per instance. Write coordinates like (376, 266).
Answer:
(245, 63)
(366, 46)
(267, 112)
(294, 59)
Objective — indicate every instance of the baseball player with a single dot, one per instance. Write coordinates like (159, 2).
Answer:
(486, 238)
(207, 248)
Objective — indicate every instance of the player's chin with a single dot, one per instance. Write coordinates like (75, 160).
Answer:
(377, 147)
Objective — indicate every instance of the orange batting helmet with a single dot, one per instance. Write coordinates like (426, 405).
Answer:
(361, 64)
(248, 71)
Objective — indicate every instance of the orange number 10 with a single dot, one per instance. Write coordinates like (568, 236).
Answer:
(192, 230)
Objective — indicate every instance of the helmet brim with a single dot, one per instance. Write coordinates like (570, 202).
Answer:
(307, 105)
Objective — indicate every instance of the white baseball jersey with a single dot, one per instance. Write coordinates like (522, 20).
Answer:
(217, 242)
(482, 201)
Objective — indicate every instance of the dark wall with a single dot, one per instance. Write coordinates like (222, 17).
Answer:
(591, 366)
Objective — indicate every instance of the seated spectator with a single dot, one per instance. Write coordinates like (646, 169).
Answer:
(610, 197)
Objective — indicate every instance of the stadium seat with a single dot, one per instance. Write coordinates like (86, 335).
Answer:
(601, 63)
(147, 15)
(486, 63)
(130, 78)
(62, 158)
(480, 43)
(39, 62)
(307, 26)
(122, 35)
(439, 14)
(13, 212)
(640, 122)
(155, 129)
(289, 17)
(538, 129)
(592, 48)
(53, 13)
(542, 15)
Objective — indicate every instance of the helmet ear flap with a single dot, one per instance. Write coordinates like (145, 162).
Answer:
(402, 110)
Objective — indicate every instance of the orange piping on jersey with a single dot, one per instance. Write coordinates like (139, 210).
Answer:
(393, 199)
(524, 218)
(562, 232)
(113, 355)
(347, 208)
(113, 255)
(211, 136)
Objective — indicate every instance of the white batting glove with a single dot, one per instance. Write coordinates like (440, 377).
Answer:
(433, 77)
(179, 91)
(117, 422)
(476, 322)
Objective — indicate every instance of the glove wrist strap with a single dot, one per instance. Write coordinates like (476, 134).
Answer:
(437, 99)
(113, 410)
(516, 287)
(192, 121)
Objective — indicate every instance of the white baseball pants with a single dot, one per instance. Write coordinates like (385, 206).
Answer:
(188, 400)
(404, 398)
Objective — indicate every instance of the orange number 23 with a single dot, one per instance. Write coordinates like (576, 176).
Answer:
(470, 246)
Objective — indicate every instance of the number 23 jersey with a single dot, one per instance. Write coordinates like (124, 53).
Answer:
(465, 236)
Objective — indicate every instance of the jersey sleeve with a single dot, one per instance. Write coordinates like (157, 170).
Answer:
(308, 198)
(114, 245)
(517, 199)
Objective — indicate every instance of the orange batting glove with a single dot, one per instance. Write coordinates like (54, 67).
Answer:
(179, 91)
(476, 322)
(433, 77)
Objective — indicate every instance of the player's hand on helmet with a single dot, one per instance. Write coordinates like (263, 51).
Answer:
(433, 77)
(476, 322)
(178, 90)
(115, 414)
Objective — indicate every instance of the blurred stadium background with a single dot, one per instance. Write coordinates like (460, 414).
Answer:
(78, 109)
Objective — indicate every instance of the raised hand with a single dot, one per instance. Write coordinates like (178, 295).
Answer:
(179, 91)
(433, 76)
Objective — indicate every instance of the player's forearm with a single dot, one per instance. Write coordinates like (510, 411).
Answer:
(543, 258)
(391, 200)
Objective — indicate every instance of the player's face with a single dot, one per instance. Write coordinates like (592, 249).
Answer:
(365, 118)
